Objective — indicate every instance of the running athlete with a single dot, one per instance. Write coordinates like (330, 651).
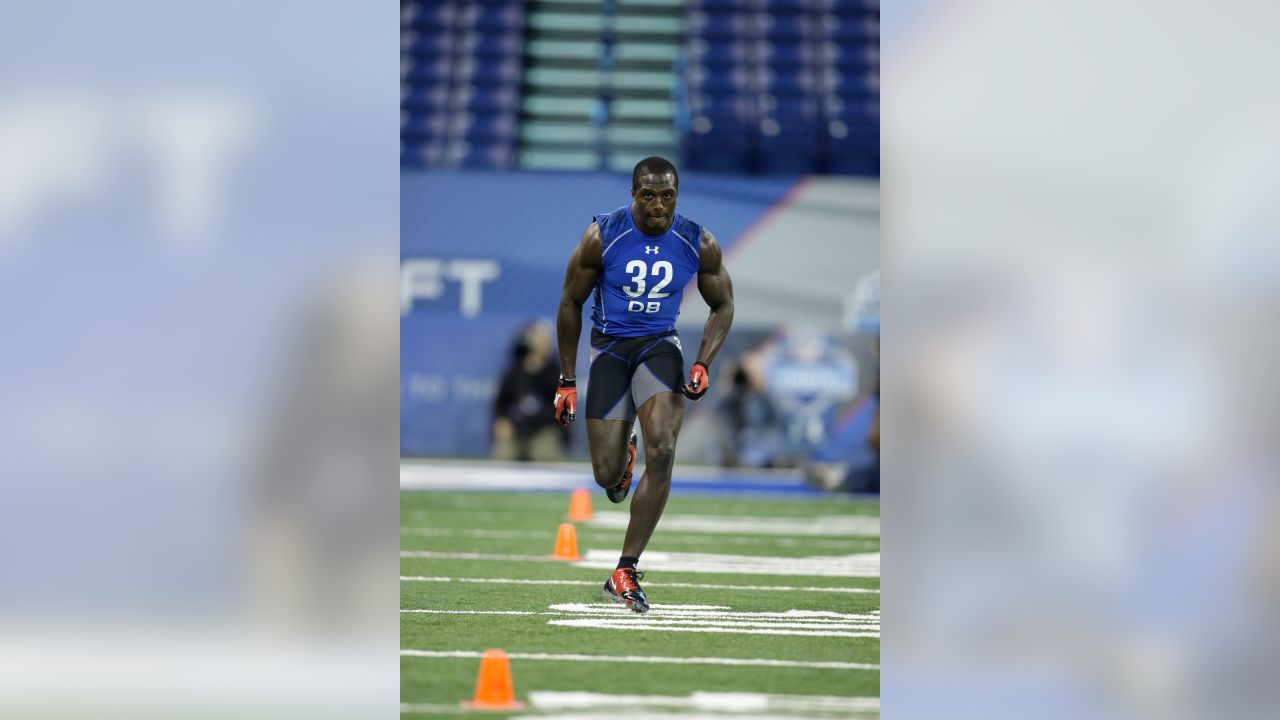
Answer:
(637, 261)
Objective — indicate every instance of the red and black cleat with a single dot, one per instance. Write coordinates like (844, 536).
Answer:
(623, 587)
(618, 493)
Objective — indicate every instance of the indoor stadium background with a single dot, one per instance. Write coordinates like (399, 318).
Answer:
(522, 120)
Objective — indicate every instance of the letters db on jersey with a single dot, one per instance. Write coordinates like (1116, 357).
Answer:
(644, 276)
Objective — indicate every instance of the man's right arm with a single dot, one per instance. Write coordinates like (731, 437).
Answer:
(579, 280)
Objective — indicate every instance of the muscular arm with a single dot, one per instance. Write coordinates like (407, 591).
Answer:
(717, 289)
(579, 279)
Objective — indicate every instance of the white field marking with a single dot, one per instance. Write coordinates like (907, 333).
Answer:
(474, 556)
(672, 715)
(838, 525)
(856, 565)
(494, 477)
(627, 624)
(708, 701)
(720, 619)
(672, 611)
(592, 583)
(716, 611)
(460, 532)
(549, 535)
(651, 715)
(656, 660)
(473, 612)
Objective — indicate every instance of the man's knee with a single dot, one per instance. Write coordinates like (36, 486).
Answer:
(660, 454)
(607, 473)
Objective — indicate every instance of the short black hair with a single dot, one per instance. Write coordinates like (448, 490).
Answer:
(653, 165)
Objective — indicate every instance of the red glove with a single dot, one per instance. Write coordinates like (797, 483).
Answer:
(698, 381)
(566, 401)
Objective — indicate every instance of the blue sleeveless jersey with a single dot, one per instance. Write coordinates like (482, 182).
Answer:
(644, 276)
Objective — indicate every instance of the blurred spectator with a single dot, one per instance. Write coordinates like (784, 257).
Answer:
(523, 425)
(785, 400)
(850, 459)
(808, 376)
(750, 422)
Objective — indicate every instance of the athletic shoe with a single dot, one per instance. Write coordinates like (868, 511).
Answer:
(619, 492)
(623, 587)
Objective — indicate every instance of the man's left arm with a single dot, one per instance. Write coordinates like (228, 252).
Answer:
(717, 290)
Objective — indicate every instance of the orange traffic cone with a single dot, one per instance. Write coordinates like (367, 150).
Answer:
(494, 690)
(580, 505)
(566, 543)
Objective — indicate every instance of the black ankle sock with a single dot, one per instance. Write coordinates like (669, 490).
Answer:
(627, 561)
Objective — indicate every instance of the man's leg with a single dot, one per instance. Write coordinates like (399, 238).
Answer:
(660, 420)
(607, 440)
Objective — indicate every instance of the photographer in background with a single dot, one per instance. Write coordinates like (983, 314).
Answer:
(524, 428)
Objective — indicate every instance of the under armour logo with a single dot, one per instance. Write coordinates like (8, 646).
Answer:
(650, 249)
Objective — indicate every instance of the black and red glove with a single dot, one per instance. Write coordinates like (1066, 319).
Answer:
(566, 402)
(699, 382)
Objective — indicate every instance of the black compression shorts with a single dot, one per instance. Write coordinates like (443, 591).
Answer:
(627, 371)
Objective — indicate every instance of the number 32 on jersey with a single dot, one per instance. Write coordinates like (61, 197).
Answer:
(640, 271)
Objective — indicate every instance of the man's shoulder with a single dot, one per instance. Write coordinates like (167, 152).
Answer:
(688, 230)
(613, 222)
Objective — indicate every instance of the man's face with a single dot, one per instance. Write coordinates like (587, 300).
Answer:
(655, 202)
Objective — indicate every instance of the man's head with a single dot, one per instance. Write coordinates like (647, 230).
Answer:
(654, 188)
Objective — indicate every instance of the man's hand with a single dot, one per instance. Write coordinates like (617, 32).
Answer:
(698, 381)
(566, 402)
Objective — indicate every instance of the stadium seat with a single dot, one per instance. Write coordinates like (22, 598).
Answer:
(432, 43)
(760, 82)
(493, 16)
(717, 80)
(426, 98)
(489, 156)
(413, 152)
(787, 81)
(487, 72)
(492, 45)
(487, 98)
(785, 6)
(719, 26)
(791, 55)
(461, 67)
(430, 71)
(424, 126)
(430, 17)
(721, 5)
(782, 28)
(719, 54)
(488, 126)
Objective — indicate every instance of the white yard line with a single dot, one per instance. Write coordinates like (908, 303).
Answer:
(549, 535)
(432, 611)
(592, 583)
(657, 660)
(697, 618)
(473, 556)
(628, 624)
(838, 525)
(702, 700)
(717, 611)
(675, 715)
(854, 565)
(676, 625)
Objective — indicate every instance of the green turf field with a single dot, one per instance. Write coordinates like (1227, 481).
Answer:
(700, 637)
